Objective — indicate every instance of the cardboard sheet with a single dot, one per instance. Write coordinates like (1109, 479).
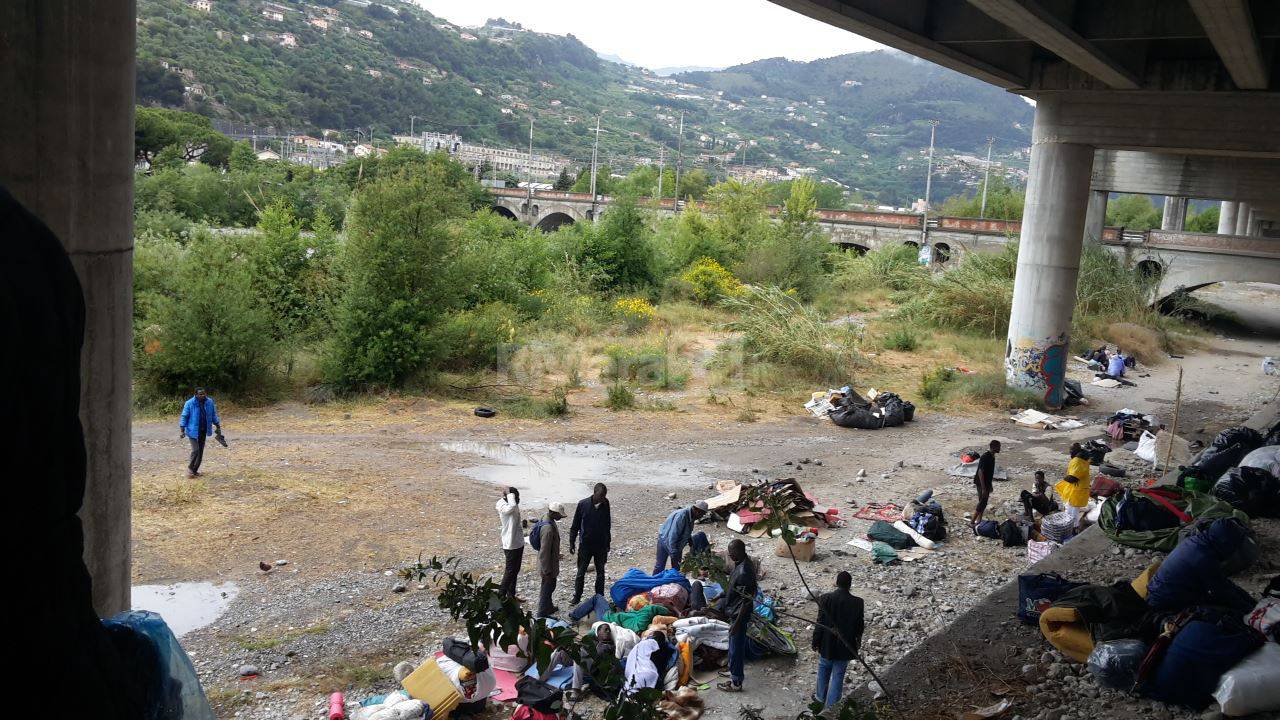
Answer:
(430, 685)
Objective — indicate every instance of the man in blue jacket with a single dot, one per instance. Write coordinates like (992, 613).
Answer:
(198, 415)
(676, 534)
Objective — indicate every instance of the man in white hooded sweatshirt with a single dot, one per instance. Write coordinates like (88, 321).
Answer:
(508, 508)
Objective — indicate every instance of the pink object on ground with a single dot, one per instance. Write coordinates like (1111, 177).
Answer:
(337, 707)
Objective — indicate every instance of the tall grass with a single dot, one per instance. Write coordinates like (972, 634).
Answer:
(1113, 301)
(893, 267)
(777, 328)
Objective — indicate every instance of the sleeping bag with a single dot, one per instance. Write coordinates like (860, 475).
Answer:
(882, 531)
(1196, 659)
(634, 582)
(1192, 574)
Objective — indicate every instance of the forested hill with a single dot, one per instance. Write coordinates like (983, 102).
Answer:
(339, 64)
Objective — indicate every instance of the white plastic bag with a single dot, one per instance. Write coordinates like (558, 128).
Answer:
(1269, 366)
(1037, 550)
(1264, 458)
(1253, 685)
(1146, 447)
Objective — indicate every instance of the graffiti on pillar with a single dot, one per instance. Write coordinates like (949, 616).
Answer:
(1039, 365)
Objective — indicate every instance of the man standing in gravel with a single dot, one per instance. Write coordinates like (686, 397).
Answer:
(593, 523)
(840, 621)
(548, 547)
(735, 607)
(676, 534)
(508, 508)
(983, 479)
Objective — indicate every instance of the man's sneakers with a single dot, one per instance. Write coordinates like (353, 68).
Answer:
(729, 686)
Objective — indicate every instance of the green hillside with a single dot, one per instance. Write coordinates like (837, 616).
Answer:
(343, 64)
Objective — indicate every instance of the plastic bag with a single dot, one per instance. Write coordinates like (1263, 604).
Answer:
(1253, 685)
(1146, 447)
(170, 686)
(1115, 664)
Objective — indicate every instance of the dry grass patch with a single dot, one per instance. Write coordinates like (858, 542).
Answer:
(154, 492)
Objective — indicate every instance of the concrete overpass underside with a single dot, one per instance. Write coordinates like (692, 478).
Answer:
(1174, 97)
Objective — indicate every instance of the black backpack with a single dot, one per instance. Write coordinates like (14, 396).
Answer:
(987, 529)
(461, 652)
(1011, 534)
(538, 695)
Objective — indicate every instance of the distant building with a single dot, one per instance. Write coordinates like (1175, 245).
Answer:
(274, 15)
(512, 160)
(267, 155)
(365, 150)
(201, 5)
(319, 22)
(365, 34)
(288, 40)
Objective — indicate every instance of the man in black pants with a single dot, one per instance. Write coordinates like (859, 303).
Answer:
(982, 480)
(508, 508)
(591, 521)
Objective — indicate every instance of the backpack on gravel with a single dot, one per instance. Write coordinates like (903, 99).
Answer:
(988, 529)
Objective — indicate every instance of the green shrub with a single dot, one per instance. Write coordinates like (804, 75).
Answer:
(620, 397)
(215, 332)
(935, 383)
(892, 267)
(397, 267)
(707, 281)
(474, 339)
(633, 364)
(990, 389)
(974, 296)
(902, 338)
(777, 328)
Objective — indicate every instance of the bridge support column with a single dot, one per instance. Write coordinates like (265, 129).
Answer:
(1227, 217)
(1095, 217)
(66, 153)
(1175, 213)
(1044, 288)
(1242, 218)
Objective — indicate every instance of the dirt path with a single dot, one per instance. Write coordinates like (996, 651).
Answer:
(345, 492)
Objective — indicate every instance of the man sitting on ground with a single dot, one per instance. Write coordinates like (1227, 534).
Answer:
(1038, 499)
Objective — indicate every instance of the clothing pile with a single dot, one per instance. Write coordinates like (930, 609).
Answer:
(743, 506)
(1129, 424)
(878, 410)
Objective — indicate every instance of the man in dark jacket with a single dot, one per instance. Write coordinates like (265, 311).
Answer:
(591, 522)
(549, 558)
(1192, 574)
(736, 607)
(982, 481)
(839, 617)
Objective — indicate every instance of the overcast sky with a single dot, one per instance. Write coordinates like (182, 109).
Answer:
(667, 33)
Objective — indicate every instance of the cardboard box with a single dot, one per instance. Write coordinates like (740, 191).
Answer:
(803, 551)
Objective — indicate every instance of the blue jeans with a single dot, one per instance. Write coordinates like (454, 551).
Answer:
(594, 604)
(663, 556)
(830, 680)
(737, 656)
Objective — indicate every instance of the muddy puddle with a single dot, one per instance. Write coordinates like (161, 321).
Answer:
(546, 472)
(185, 606)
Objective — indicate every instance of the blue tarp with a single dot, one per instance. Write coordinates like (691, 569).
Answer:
(634, 582)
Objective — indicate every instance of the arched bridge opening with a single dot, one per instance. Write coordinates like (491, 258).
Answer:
(554, 221)
(504, 211)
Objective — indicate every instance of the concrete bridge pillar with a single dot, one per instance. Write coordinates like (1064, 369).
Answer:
(1044, 288)
(1227, 217)
(1175, 213)
(66, 153)
(1095, 218)
(1242, 218)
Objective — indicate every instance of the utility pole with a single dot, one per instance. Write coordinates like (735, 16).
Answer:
(679, 158)
(528, 174)
(928, 186)
(662, 168)
(986, 176)
(595, 154)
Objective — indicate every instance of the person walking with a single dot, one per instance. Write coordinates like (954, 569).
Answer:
(836, 638)
(508, 507)
(676, 534)
(1073, 488)
(983, 479)
(548, 547)
(199, 414)
(590, 536)
(736, 606)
